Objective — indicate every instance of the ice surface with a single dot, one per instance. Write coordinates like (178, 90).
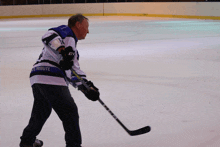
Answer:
(150, 71)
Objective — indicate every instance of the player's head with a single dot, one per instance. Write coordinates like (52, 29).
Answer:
(80, 25)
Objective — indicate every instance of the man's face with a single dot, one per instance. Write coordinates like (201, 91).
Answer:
(83, 29)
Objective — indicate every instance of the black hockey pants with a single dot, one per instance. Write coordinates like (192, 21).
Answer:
(59, 98)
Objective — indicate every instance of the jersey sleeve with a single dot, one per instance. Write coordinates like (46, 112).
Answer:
(76, 66)
(53, 40)
(73, 80)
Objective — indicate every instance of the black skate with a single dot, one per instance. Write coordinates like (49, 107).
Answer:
(37, 143)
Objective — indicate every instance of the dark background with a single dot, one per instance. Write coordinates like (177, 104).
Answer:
(29, 2)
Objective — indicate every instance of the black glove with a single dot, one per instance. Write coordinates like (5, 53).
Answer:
(92, 93)
(68, 55)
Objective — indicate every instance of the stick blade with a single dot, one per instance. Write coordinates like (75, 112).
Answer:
(140, 131)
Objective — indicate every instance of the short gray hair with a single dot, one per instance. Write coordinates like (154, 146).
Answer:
(75, 18)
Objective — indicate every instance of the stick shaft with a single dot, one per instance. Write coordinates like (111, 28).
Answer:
(102, 103)
(113, 115)
(132, 133)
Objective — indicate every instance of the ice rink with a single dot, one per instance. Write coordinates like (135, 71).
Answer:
(160, 72)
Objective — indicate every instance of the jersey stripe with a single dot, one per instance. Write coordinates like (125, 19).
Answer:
(46, 70)
(43, 79)
(48, 39)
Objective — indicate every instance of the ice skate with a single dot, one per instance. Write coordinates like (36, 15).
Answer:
(37, 143)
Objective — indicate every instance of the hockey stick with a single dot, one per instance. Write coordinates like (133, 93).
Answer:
(130, 132)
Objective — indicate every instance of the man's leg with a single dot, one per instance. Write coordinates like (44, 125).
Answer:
(40, 112)
(65, 107)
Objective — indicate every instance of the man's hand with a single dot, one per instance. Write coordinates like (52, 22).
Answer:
(68, 55)
(92, 93)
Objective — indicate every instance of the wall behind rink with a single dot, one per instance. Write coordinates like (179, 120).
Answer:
(199, 10)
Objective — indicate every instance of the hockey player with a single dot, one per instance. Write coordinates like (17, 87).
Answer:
(49, 79)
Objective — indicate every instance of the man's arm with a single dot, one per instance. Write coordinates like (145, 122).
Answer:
(68, 55)
(53, 40)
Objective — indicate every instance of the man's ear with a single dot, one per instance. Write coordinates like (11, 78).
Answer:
(78, 25)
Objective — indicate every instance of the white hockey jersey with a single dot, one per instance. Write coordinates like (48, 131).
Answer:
(47, 69)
